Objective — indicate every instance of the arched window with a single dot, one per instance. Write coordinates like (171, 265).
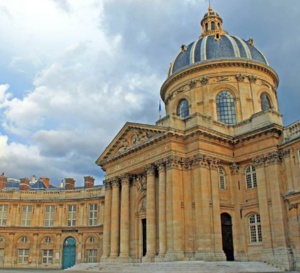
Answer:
(222, 179)
(183, 109)
(265, 102)
(213, 26)
(255, 228)
(226, 108)
(250, 176)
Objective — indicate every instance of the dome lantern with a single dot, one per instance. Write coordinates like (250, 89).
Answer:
(212, 24)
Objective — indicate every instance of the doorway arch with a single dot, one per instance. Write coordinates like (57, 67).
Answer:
(69, 253)
(227, 238)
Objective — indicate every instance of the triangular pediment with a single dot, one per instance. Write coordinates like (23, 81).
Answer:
(130, 137)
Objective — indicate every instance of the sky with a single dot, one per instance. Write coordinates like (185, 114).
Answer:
(73, 72)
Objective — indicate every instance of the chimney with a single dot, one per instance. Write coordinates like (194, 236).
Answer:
(46, 181)
(24, 184)
(3, 181)
(89, 181)
(70, 183)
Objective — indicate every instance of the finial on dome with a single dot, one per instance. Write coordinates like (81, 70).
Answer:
(210, 9)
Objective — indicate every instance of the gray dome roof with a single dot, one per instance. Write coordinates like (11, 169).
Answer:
(208, 48)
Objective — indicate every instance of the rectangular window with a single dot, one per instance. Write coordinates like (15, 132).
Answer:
(93, 219)
(1, 255)
(92, 255)
(3, 214)
(23, 255)
(298, 155)
(47, 256)
(26, 215)
(49, 216)
(72, 216)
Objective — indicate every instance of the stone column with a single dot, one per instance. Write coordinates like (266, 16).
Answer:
(169, 209)
(107, 220)
(150, 213)
(200, 221)
(259, 163)
(281, 250)
(115, 219)
(216, 212)
(189, 236)
(175, 175)
(238, 229)
(124, 253)
(162, 209)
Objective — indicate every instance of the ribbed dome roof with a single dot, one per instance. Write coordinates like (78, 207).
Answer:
(215, 44)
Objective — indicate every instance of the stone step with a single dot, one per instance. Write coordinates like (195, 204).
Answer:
(177, 267)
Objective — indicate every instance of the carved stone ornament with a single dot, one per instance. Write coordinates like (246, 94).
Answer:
(107, 184)
(192, 84)
(125, 179)
(293, 206)
(213, 162)
(259, 161)
(174, 162)
(273, 158)
(204, 80)
(143, 206)
(161, 165)
(222, 79)
(124, 145)
(252, 78)
(150, 169)
(240, 77)
(234, 168)
(141, 183)
(115, 182)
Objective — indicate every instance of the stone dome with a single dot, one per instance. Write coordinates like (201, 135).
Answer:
(215, 44)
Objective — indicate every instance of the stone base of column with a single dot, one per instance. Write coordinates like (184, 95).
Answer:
(189, 256)
(124, 259)
(104, 258)
(210, 256)
(280, 257)
(148, 259)
(174, 256)
(113, 257)
(160, 258)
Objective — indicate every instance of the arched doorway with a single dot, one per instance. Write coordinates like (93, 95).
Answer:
(69, 253)
(227, 238)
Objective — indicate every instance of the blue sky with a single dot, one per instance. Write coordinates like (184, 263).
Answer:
(72, 72)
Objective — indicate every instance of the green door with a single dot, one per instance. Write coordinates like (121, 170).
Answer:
(69, 253)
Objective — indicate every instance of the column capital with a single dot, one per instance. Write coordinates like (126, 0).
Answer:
(107, 184)
(213, 162)
(115, 182)
(161, 165)
(150, 169)
(125, 179)
(174, 162)
(259, 161)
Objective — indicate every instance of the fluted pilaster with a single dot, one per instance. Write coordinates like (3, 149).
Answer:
(115, 219)
(124, 240)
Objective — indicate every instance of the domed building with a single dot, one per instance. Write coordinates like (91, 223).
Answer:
(217, 178)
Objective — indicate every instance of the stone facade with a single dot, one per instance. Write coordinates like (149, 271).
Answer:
(208, 181)
(36, 224)
(217, 178)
